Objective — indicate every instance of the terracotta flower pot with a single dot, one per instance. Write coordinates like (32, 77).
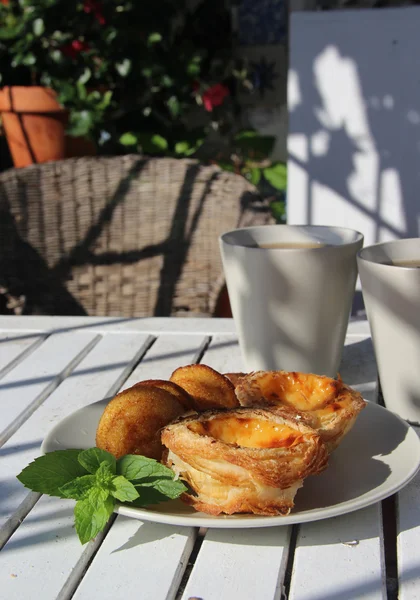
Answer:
(34, 124)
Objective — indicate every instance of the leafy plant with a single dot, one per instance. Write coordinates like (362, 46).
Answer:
(248, 155)
(158, 78)
(96, 480)
(134, 75)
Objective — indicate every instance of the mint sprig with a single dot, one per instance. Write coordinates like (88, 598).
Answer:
(47, 474)
(96, 480)
(92, 459)
(92, 514)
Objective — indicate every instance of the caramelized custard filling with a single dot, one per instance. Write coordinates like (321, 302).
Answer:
(248, 433)
(305, 394)
(333, 407)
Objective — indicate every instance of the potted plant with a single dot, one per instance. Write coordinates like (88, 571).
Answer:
(44, 71)
(158, 78)
(127, 74)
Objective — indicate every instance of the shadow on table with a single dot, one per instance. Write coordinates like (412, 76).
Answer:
(79, 327)
(16, 448)
(372, 587)
(186, 352)
(409, 519)
(149, 532)
(7, 493)
(55, 533)
(414, 396)
(356, 467)
(358, 362)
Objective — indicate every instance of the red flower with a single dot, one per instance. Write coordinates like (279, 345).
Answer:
(214, 96)
(94, 7)
(74, 48)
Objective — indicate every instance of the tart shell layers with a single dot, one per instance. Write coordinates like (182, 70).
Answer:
(249, 460)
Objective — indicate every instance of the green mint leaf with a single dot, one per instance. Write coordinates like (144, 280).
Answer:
(78, 488)
(123, 490)
(92, 514)
(148, 496)
(97, 496)
(104, 476)
(48, 473)
(89, 477)
(168, 486)
(91, 460)
(135, 467)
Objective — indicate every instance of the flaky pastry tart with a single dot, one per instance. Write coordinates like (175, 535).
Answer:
(244, 460)
(327, 405)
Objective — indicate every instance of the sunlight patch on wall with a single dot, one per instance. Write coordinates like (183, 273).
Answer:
(391, 196)
(294, 94)
(320, 143)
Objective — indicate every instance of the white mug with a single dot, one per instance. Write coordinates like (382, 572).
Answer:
(291, 304)
(392, 299)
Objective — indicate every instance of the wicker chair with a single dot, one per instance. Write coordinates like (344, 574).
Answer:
(124, 236)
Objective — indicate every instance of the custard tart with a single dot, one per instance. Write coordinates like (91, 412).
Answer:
(244, 460)
(327, 405)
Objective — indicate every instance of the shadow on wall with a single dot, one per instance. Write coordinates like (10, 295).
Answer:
(354, 121)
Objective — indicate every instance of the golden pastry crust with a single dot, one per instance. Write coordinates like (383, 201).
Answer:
(243, 460)
(208, 388)
(234, 378)
(131, 422)
(216, 498)
(173, 388)
(328, 405)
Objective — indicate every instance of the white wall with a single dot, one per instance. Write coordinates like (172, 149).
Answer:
(354, 121)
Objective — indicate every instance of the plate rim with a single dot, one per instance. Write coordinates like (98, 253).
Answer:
(199, 519)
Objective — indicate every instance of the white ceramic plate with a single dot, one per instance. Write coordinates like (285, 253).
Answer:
(378, 457)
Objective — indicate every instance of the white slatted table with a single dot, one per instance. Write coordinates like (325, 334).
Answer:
(51, 366)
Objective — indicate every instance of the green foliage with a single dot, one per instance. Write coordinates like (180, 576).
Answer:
(249, 155)
(278, 210)
(124, 67)
(253, 145)
(95, 479)
(48, 476)
(136, 76)
(276, 174)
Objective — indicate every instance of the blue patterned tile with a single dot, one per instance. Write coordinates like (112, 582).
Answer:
(262, 22)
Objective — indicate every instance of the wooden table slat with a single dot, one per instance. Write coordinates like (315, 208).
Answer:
(245, 564)
(97, 376)
(118, 570)
(153, 325)
(166, 354)
(408, 539)
(223, 354)
(26, 386)
(358, 368)
(82, 360)
(100, 374)
(42, 553)
(14, 348)
(343, 553)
